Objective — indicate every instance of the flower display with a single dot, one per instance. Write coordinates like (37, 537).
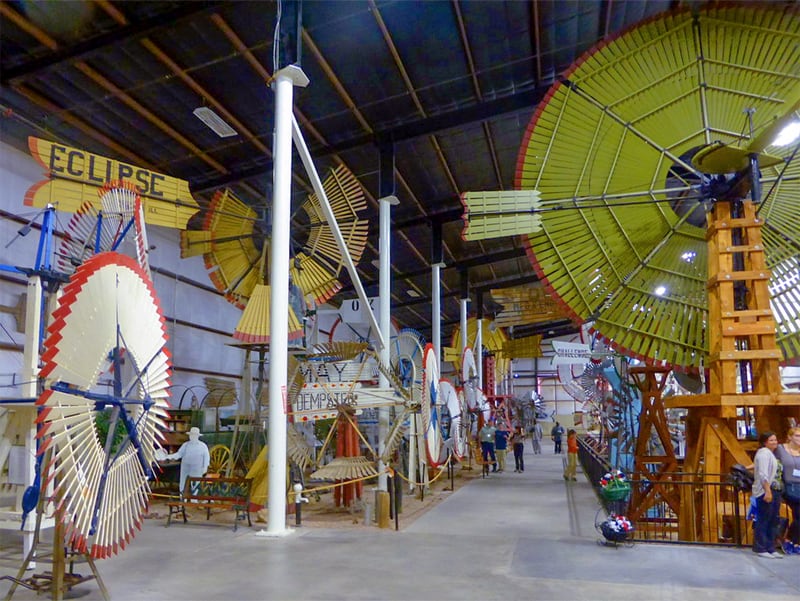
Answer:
(616, 528)
(618, 523)
(612, 479)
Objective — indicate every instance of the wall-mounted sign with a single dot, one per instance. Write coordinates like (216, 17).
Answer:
(74, 177)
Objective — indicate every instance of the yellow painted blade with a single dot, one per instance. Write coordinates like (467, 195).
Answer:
(194, 243)
(502, 213)
(221, 393)
(346, 198)
(525, 305)
(528, 347)
(316, 282)
(253, 326)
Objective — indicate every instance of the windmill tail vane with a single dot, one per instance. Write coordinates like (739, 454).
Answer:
(501, 213)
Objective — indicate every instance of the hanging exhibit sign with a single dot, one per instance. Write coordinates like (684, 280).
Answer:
(74, 177)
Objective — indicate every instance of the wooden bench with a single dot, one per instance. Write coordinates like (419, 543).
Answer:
(214, 493)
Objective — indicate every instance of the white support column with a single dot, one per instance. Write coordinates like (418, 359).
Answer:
(479, 352)
(436, 312)
(464, 310)
(384, 309)
(29, 389)
(285, 80)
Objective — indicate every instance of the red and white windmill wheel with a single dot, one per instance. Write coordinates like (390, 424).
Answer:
(108, 308)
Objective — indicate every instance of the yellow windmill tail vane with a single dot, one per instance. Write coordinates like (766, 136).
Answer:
(501, 213)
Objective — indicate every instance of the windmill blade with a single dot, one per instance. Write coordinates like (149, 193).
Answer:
(347, 200)
(503, 213)
(233, 240)
(253, 326)
(90, 231)
(316, 282)
(525, 305)
(639, 271)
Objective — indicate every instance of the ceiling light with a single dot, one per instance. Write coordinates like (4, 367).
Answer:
(214, 121)
(413, 293)
(788, 134)
(661, 290)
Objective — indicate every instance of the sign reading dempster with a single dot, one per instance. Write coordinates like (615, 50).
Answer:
(321, 401)
(74, 177)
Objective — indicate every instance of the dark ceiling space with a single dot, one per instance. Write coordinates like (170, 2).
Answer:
(423, 100)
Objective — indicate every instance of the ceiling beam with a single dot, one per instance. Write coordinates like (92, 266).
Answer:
(512, 103)
(120, 35)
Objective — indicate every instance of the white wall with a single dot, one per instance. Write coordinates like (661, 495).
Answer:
(199, 320)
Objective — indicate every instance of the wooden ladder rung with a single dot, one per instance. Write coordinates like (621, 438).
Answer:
(746, 355)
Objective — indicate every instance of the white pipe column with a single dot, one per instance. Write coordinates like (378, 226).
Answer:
(384, 310)
(464, 344)
(29, 390)
(285, 80)
(436, 312)
(479, 351)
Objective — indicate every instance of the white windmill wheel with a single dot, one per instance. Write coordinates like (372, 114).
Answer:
(108, 308)
(469, 379)
(431, 425)
(89, 231)
(459, 418)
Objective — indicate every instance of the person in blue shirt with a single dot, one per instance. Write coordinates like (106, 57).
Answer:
(501, 446)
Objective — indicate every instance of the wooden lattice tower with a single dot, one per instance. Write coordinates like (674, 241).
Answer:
(743, 365)
(655, 463)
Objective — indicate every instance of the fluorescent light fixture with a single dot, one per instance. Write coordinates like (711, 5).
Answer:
(214, 121)
(661, 291)
(788, 134)
(689, 256)
(413, 293)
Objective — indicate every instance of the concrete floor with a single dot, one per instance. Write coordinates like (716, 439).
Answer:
(509, 536)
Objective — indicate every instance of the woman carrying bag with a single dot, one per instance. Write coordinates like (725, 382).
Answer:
(767, 486)
(789, 455)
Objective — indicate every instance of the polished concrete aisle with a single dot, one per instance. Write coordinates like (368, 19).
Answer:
(508, 536)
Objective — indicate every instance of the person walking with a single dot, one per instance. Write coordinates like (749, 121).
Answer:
(486, 436)
(766, 490)
(536, 437)
(789, 456)
(518, 442)
(570, 472)
(556, 433)
(501, 436)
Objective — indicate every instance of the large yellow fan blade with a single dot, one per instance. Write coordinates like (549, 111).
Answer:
(607, 139)
(523, 348)
(253, 326)
(502, 213)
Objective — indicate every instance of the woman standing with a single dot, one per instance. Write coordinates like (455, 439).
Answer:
(518, 440)
(766, 490)
(572, 456)
(789, 456)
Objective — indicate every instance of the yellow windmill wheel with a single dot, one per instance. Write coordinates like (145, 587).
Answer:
(634, 144)
(220, 458)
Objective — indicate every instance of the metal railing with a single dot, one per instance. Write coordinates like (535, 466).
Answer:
(676, 508)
